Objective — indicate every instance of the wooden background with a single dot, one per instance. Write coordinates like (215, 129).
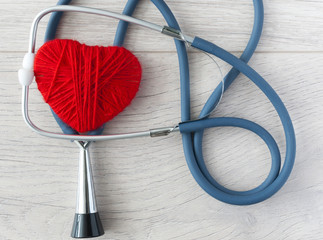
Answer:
(144, 188)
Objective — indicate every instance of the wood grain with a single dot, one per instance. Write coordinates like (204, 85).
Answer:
(144, 188)
(293, 26)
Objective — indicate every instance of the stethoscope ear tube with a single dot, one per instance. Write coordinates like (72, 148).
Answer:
(192, 132)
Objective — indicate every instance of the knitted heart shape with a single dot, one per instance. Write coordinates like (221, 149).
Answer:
(86, 86)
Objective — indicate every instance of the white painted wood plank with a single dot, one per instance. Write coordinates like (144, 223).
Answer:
(289, 25)
(144, 188)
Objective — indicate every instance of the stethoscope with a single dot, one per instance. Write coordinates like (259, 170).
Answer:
(87, 222)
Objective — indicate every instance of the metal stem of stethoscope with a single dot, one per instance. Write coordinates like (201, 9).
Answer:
(87, 221)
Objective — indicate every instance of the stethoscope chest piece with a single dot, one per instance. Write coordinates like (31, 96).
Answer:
(87, 222)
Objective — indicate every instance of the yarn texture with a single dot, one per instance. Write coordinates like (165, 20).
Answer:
(86, 86)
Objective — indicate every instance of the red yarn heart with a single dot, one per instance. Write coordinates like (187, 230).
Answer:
(86, 86)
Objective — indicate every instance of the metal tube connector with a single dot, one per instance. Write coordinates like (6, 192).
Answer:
(160, 132)
(174, 33)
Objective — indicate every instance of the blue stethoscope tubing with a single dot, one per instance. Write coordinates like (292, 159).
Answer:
(192, 130)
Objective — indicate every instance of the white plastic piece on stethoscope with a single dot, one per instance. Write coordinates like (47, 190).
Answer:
(26, 74)
(28, 62)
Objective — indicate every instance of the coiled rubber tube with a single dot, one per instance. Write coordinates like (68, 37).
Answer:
(193, 150)
(192, 131)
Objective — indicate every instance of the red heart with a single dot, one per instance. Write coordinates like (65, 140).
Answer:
(86, 86)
